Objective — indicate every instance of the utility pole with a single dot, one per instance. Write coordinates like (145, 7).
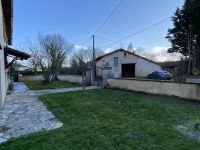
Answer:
(189, 48)
(121, 44)
(94, 57)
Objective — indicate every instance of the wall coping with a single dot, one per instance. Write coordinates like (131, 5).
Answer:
(152, 80)
(58, 75)
(70, 75)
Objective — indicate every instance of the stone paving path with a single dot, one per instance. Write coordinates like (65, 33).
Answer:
(23, 113)
(51, 91)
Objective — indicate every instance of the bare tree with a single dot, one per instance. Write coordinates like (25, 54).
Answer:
(33, 48)
(98, 52)
(75, 67)
(130, 48)
(49, 54)
(82, 57)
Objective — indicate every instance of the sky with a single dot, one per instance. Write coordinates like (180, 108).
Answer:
(77, 20)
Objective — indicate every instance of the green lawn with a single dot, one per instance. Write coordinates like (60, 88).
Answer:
(39, 85)
(111, 119)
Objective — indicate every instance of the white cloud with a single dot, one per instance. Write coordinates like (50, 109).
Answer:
(108, 50)
(159, 54)
(80, 47)
(159, 49)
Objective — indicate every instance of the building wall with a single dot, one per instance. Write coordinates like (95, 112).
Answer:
(142, 67)
(71, 78)
(182, 90)
(21, 68)
(3, 74)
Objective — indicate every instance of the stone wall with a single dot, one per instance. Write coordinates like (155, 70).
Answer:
(182, 90)
(69, 78)
(31, 78)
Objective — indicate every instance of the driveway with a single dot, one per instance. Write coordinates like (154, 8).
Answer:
(23, 113)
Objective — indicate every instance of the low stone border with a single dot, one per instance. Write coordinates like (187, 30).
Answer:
(190, 130)
(24, 114)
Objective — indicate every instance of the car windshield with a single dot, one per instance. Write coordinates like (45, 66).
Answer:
(165, 72)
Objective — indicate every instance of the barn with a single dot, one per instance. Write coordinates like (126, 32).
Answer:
(122, 63)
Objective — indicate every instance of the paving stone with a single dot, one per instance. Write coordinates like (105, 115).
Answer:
(189, 130)
(3, 140)
(24, 114)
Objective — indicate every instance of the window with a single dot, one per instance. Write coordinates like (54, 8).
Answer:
(125, 55)
(103, 63)
(107, 64)
(115, 61)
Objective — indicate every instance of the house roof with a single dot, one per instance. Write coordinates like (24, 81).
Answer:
(123, 50)
(7, 6)
(16, 53)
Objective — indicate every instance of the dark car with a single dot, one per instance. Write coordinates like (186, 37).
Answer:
(161, 75)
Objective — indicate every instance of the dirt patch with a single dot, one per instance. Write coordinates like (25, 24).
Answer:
(3, 128)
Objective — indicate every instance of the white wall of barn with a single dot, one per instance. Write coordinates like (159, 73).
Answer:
(143, 67)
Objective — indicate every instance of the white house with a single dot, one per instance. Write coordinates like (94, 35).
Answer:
(19, 67)
(6, 27)
(122, 63)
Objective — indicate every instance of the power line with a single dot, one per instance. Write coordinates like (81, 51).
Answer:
(109, 16)
(102, 24)
(140, 31)
(83, 41)
(106, 39)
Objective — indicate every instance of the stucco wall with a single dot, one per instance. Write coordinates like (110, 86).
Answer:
(142, 67)
(31, 78)
(3, 74)
(182, 90)
(3, 82)
(69, 78)
(1, 25)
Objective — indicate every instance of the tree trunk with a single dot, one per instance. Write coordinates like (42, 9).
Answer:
(47, 77)
(83, 81)
(198, 62)
(35, 71)
(194, 63)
